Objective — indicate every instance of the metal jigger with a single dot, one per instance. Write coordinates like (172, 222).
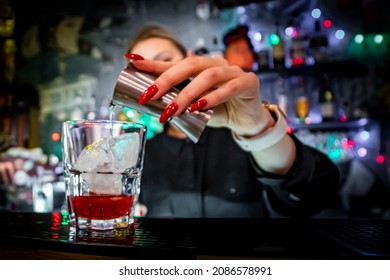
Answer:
(133, 82)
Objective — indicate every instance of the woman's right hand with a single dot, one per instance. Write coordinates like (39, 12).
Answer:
(233, 94)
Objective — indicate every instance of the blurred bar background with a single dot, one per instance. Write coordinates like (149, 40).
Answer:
(61, 60)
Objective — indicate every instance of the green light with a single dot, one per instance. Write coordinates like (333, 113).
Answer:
(359, 38)
(274, 39)
(335, 154)
(378, 39)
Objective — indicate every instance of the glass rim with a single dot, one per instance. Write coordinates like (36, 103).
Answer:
(101, 121)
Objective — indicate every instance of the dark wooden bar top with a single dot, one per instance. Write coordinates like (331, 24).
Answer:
(26, 235)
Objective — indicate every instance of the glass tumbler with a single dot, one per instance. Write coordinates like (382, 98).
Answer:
(103, 163)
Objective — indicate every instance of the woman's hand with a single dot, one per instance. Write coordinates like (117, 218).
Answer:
(233, 94)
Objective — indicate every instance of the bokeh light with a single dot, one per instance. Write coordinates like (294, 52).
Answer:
(340, 34)
(359, 38)
(316, 13)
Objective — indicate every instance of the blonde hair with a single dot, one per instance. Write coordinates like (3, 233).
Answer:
(156, 31)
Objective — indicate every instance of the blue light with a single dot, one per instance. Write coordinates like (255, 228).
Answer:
(364, 135)
(258, 36)
(362, 152)
(316, 13)
(289, 31)
(340, 34)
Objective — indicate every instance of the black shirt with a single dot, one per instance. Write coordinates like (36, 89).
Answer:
(215, 178)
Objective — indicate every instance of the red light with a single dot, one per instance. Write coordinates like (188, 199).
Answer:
(295, 33)
(347, 144)
(343, 118)
(289, 130)
(55, 136)
(380, 159)
(327, 23)
(297, 61)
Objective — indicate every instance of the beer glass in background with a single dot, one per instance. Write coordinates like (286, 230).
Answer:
(103, 162)
(302, 108)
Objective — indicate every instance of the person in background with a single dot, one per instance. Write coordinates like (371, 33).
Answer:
(238, 48)
(244, 164)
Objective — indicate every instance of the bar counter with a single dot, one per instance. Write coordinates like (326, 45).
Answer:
(25, 235)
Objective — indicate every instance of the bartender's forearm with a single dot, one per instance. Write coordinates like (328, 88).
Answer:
(277, 159)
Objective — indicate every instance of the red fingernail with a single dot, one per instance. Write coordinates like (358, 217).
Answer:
(133, 56)
(147, 94)
(168, 112)
(198, 105)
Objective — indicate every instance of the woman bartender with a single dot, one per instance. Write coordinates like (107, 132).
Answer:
(243, 161)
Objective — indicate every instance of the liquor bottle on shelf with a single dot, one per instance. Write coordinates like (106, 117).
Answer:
(281, 95)
(263, 59)
(279, 55)
(297, 53)
(278, 51)
(319, 43)
(327, 100)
